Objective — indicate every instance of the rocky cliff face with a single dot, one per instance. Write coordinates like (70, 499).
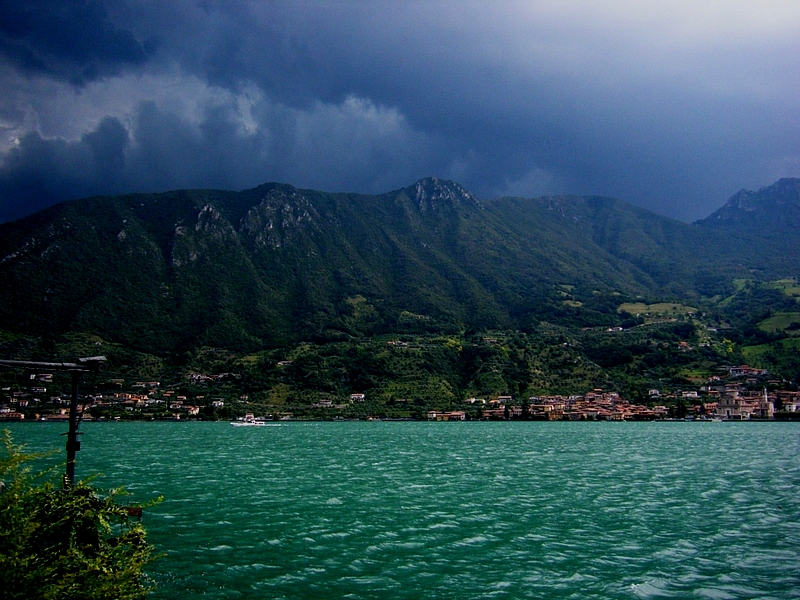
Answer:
(773, 207)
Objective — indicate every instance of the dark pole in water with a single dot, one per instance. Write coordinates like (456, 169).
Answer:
(84, 365)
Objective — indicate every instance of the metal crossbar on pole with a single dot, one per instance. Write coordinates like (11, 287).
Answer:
(91, 364)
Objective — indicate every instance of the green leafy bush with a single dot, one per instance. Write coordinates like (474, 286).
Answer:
(65, 541)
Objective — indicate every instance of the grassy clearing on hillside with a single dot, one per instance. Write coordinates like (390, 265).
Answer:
(739, 286)
(754, 354)
(790, 287)
(698, 374)
(249, 360)
(660, 309)
(779, 322)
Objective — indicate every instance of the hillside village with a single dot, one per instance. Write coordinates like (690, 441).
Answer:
(723, 402)
(743, 395)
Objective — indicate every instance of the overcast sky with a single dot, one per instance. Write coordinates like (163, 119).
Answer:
(670, 105)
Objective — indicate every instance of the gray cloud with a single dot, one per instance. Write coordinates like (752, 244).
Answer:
(352, 145)
(672, 108)
(67, 39)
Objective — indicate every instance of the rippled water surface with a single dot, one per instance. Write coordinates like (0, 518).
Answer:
(458, 510)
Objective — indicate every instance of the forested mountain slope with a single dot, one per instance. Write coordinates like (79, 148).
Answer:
(275, 264)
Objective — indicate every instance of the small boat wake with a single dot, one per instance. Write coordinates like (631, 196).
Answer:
(250, 421)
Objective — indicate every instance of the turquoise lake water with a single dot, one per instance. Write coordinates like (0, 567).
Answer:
(458, 510)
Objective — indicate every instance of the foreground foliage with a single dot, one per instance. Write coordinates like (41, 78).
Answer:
(62, 541)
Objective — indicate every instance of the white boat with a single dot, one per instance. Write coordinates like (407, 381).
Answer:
(248, 421)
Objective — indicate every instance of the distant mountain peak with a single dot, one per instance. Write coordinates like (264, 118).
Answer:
(784, 191)
(431, 192)
(773, 206)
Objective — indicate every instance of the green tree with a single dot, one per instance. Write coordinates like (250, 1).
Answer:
(65, 541)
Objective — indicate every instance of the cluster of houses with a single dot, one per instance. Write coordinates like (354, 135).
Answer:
(151, 399)
(734, 403)
(737, 397)
(729, 401)
(329, 403)
(144, 396)
(595, 405)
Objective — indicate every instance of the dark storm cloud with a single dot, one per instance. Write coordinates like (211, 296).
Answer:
(319, 148)
(39, 170)
(69, 39)
(509, 100)
(672, 108)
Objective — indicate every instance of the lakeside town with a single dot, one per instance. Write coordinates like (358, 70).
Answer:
(742, 395)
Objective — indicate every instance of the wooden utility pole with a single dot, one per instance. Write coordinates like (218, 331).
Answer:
(91, 364)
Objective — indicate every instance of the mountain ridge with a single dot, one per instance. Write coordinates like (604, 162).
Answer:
(275, 264)
(776, 205)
